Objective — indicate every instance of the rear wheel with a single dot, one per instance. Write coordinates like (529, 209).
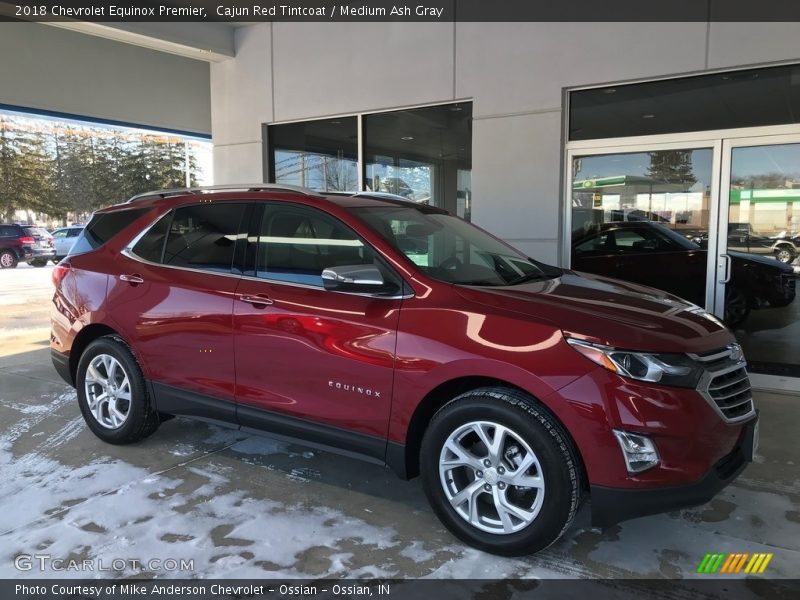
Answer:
(8, 260)
(500, 472)
(785, 254)
(112, 393)
(39, 262)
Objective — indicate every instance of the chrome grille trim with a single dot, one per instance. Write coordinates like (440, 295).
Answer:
(725, 384)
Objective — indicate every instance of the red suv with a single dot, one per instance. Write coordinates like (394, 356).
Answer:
(392, 331)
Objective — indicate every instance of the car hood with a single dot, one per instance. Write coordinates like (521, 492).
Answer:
(761, 260)
(609, 311)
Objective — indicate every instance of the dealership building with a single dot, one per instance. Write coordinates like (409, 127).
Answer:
(662, 153)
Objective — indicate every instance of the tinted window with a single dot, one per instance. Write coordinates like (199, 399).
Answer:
(103, 227)
(321, 155)
(151, 245)
(751, 98)
(9, 231)
(204, 236)
(295, 244)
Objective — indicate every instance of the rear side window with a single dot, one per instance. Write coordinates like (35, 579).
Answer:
(151, 245)
(9, 231)
(103, 227)
(204, 236)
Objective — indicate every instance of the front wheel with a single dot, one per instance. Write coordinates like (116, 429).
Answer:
(737, 306)
(500, 472)
(112, 393)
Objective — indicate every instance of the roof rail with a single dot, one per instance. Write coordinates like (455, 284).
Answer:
(249, 187)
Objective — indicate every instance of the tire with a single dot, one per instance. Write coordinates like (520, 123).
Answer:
(548, 503)
(785, 254)
(38, 262)
(737, 306)
(8, 260)
(128, 418)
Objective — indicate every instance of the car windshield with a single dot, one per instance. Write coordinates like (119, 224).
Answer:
(450, 249)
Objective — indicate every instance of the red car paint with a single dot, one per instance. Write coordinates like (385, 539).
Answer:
(307, 352)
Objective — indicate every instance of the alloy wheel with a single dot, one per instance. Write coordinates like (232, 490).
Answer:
(6, 260)
(108, 391)
(491, 477)
(785, 256)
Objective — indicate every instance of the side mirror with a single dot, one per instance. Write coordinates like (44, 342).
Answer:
(360, 279)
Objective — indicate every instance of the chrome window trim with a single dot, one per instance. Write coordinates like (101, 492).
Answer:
(320, 288)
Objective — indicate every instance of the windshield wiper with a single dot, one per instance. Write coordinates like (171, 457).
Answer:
(478, 282)
(530, 277)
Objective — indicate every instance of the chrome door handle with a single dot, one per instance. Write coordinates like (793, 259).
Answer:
(727, 276)
(256, 300)
(131, 278)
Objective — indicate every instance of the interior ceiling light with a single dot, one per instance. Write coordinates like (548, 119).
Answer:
(610, 91)
(336, 122)
(649, 116)
(407, 138)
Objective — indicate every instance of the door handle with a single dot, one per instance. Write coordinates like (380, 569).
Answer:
(726, 277)
(132, 279)
(258, 300)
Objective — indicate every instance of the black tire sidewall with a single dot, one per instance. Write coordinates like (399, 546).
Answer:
(543, 434)
(139, 414)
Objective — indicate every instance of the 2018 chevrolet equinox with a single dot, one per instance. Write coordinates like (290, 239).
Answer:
(380, 328)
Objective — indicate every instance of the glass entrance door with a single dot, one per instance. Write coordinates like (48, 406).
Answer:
(758, 240)
(645, 216)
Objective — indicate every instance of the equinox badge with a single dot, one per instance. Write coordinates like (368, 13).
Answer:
(348, 387)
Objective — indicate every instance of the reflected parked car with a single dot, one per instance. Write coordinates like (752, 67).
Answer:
(784, 246)
(64, 238)
(651, 254)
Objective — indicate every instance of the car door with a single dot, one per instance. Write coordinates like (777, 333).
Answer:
(309, 362)
(173, 296)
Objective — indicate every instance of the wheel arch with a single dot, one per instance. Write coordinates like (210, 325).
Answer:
(403, 459)
(82, 340)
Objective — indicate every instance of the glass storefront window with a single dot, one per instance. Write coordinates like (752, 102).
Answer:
(321, 155)
(764, 234)
(747, 98)
(644, 217)
(421, 154)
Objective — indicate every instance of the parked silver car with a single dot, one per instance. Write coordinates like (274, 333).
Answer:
(64, 238)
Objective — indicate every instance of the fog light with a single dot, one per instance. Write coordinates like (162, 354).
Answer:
(639, 451)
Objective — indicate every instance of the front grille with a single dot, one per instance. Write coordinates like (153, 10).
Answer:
(725, 383)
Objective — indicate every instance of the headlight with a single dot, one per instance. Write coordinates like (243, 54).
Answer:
(667, 369)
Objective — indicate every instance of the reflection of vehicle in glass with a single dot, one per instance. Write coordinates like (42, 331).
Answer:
(64, 238)
(25, 243)
(741, 237)
(651, 254)
(511, 387)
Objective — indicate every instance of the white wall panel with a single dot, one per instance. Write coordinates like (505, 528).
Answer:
(48, 68)
(330, 68)
(518, 67)
(241, 89)
(732, 44)
(515, 175)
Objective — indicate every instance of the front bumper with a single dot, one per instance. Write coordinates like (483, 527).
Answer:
(612, 505)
